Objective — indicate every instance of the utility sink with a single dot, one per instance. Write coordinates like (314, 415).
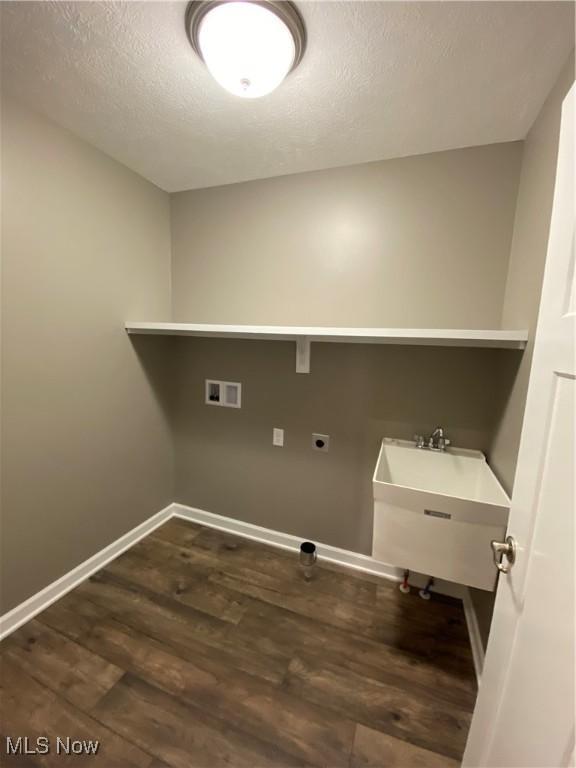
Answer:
(436, 512)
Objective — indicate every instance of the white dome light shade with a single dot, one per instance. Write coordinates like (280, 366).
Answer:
(247, 47)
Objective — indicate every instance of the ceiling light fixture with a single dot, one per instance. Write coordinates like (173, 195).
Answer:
(249, 46)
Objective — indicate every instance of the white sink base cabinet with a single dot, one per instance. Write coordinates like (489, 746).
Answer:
(436, 512)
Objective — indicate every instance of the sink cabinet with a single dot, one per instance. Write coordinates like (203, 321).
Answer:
(436, 512)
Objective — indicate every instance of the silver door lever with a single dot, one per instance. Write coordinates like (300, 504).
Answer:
(501, 549)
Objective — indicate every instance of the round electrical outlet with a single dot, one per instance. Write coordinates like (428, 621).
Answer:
(320, 442)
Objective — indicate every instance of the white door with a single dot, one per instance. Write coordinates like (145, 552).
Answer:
(525, 712)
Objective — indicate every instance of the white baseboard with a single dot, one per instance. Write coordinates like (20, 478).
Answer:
(286, 541)
(344, 557)
(10, 621)
(474, 634)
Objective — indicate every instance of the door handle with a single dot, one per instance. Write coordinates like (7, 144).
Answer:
(501, 549)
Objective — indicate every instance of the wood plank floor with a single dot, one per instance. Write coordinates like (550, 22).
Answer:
(198, 649)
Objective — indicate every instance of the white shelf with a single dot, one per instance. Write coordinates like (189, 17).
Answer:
(433, 336)
(304, 335)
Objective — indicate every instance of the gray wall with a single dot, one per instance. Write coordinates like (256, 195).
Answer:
(524, 282)
(420, 241)
(527, 259)
(417, 241)
(86, 445)
(225, 460)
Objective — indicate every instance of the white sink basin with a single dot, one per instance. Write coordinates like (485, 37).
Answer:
(456, 473)
(436, 512)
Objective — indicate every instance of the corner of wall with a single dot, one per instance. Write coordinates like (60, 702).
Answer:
(522, 292)
(526, 269)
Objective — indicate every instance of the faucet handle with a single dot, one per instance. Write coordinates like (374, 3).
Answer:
(419, 440)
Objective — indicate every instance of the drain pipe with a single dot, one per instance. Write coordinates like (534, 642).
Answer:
(307, 559)
(425, 593)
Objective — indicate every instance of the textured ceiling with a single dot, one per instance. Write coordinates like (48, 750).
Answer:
(378, 80)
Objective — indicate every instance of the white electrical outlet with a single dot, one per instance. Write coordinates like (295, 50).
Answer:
(320, 442)
(278, 437)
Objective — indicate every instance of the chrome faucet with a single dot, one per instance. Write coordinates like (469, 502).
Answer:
(436, 442)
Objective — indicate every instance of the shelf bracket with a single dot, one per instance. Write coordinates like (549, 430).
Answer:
(303, 354)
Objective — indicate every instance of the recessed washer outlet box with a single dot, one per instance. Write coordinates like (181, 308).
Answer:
(224, 393)
(320, 442)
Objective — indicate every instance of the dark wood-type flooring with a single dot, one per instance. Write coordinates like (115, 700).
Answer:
(198, 649)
